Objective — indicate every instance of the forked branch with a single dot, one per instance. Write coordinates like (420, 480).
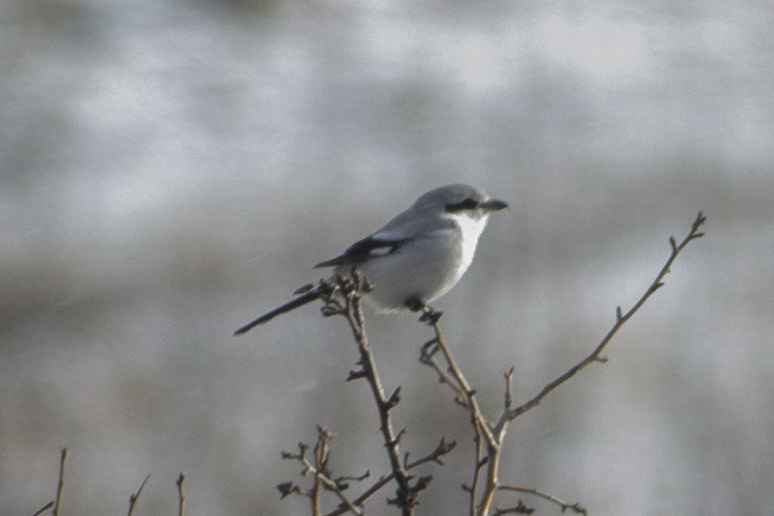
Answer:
(620, 320)
(488, 437)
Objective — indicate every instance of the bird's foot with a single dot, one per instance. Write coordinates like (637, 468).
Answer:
(428, 315)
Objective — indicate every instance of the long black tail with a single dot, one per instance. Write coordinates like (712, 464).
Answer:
(290, 305)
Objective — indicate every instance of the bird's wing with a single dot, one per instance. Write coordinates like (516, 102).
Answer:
(365, 249)
(387, 240)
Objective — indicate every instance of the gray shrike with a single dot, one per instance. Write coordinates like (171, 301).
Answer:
(416, 257)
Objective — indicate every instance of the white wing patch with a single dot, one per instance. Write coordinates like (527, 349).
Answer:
(381, 251)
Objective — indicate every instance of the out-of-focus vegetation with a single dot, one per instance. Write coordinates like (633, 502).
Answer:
(168, 170)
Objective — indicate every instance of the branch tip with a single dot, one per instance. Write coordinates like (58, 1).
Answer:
(60, 482)
(356, 375)
(44, 508)
(393, 400)
(135, 496)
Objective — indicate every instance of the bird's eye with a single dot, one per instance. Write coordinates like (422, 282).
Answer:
(467, 204)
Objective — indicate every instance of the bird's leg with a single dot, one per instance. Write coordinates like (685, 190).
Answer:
(429, 315)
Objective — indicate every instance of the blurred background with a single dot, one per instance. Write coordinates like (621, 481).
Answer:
(171, 169)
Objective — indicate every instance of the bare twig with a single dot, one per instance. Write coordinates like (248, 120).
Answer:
(335, 485)
(353, 290)
(134, 496)
(320, 465)
(289, 488)
(44, 508)
(468, 394)
(436, 455)
(180, 494)
(564, 506)
(428, 356)
(487, 442)
(319, 469)
(620, 320)
(489, 438)
(343, 297)
(322, 476)
(519, 509)
(60, 483)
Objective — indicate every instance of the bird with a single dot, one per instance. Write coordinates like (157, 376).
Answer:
(414, 259)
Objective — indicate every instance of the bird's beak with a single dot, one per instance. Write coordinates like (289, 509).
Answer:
(493, 205)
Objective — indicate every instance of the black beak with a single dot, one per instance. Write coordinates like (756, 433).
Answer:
(493, 205)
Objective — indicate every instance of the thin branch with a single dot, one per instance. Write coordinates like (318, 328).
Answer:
(319, 468)
(428, 357)
(442, 449)
(134, 496)
(488, 451)
(383, 481)
(289, 488)
(452, 376)
(353, 289)
(343, 479)
(564, 506)
(434, 456)
(519, 509)
(44, 508)
(180, 494)
(621, 319)
(60, 483)
(467, 392)
(486, 438)
(322, 477)
(480, 462)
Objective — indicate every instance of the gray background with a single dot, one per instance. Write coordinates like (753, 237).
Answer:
(170, 169)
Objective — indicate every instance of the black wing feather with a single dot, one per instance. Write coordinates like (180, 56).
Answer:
(290, 305)
(364, 250)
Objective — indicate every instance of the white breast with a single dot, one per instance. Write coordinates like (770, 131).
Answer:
(425, 268)
(471, 231)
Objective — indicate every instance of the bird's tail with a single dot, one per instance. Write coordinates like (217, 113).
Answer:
(290, 305)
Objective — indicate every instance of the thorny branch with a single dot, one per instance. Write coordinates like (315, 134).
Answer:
(564, 506)
(135, 496)
(352, 290)
(56, 504)
(180, 494)
(488, 437)
(442, 449)
(322, 475)
(60, 483)
(340, 483)
(621, 319)
(343, 297)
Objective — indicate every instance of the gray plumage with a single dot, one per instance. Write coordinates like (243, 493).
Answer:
(419, 255)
